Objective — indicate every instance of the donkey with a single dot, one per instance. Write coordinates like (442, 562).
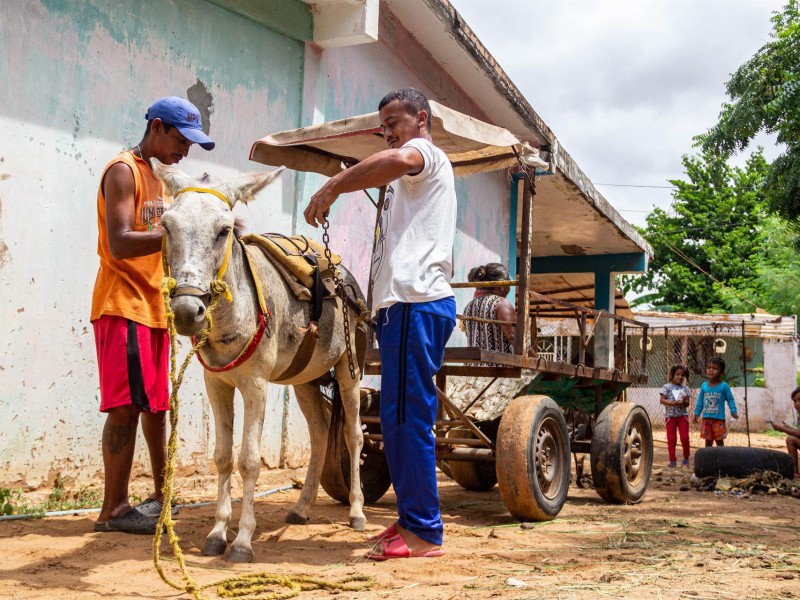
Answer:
(199, 232)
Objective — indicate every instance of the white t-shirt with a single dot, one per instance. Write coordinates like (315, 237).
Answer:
(413, 255)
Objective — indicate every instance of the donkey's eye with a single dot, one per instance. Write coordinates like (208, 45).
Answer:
(223, 233)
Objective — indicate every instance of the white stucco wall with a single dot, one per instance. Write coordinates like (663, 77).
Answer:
(78, 77)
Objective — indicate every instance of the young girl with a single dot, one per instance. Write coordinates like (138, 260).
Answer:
(675, 398)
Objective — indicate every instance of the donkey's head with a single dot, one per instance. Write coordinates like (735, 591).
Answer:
(199, 234)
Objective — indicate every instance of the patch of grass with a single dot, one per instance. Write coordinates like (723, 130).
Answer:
(12, 502)
(773, 433)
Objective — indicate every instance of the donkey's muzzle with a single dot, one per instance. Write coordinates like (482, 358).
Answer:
(190, 313)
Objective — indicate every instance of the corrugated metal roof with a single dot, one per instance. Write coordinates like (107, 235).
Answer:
(756, 325)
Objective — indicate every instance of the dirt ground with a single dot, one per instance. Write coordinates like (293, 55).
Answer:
(677, 543)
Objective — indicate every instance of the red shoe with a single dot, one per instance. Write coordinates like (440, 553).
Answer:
(395, 547)
(390, 531)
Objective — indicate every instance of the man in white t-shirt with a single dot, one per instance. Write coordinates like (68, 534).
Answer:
(413, 304)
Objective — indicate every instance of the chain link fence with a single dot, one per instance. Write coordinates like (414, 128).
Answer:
(691, 346)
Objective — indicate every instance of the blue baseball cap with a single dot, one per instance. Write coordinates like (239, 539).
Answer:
(184, 116)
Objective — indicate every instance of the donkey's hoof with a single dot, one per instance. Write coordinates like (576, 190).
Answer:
(214, 547)
(240, 555)
(295, 519)
(358, 523)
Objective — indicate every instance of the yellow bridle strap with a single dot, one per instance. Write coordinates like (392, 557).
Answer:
(219, 195)
(227, 258)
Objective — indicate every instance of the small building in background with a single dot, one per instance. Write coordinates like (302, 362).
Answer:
(759, 350)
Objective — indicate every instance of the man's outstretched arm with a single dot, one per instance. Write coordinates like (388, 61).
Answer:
(377, 170)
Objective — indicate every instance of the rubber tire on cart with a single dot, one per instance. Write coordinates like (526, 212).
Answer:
(622, 453)
(375, 477)
(533, 459)
(471, 475)
(729, 461)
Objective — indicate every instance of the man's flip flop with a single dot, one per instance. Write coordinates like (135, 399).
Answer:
(152, 508)
(132, 521)
(395, 547)
(390, 531)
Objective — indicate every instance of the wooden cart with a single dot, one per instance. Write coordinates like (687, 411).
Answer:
(557, 407)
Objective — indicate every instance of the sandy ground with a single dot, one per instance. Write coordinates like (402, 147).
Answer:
(677, 543)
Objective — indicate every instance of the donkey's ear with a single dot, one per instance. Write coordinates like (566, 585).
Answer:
(243, 188)
(173, 179)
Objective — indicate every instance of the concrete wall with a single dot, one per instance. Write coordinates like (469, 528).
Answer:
(780, 374)
(78, 77)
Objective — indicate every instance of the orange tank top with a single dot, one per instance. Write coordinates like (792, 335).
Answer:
(131, 287)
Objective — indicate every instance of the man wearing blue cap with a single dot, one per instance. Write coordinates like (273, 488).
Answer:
(128, 311)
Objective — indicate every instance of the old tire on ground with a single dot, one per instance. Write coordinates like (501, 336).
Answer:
(728, 461)
(375, 477)
(622, 453)
(533, 460)
(474, 476)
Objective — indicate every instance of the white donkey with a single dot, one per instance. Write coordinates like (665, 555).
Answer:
(199, 229)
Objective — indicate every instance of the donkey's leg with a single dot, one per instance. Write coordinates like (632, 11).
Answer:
(310, 399)
(254, 394)
(220, 397)
(350, 390)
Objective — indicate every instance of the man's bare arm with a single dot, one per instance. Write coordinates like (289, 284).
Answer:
(377, 170)
(119, 191)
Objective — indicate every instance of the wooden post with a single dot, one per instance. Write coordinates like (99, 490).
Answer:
(523, 300)
(744, 379)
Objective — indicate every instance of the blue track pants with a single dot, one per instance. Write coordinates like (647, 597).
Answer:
(412, 338)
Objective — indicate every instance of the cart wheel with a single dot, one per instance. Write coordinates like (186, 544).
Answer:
(375, 478)
(533, 461)
(622, 453)
(473, 476)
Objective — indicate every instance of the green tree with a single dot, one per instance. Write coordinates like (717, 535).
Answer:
(778, 272)
(712, 234)
(765, 96)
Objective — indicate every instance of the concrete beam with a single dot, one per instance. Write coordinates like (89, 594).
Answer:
(339, 23)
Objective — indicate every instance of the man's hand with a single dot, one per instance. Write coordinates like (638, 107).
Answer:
(319, 206)
(696, 419)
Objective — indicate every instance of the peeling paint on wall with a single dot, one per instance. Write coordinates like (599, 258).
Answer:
(199, 95)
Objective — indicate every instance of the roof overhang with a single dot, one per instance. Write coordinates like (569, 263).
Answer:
(441, 30)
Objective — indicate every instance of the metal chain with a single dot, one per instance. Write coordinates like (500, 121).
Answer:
(342, 293)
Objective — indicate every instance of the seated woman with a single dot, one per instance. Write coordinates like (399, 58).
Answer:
(490, 303)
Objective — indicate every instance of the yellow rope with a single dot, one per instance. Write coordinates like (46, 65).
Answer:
(253, 585)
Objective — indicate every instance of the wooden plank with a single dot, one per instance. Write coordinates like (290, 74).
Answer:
(521, 341)
(481, 371)
(466, 420)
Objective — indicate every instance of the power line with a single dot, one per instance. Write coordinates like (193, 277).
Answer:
(709, 275)
(631, 185)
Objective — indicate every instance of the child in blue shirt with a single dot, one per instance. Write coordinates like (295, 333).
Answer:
(711, 400)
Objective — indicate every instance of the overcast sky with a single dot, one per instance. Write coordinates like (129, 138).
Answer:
(624, 84)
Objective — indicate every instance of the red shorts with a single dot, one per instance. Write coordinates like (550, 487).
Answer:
(133, 361)
(713, 429)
